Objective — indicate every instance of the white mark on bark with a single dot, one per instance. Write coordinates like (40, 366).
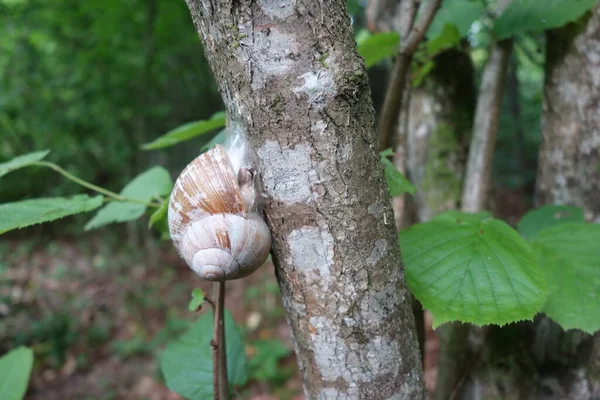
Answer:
(336, 359)
(272, 52)
(291, 174)
(382, 355)
(331, 393)
(332, 356)
(378, 252)
(317, 84)
(277, 8)
(311, 250)
(318, 127)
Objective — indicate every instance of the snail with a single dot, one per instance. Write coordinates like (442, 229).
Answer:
(214, 215)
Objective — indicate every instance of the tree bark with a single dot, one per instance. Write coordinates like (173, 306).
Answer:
(540, 360)
(487, 113)
(291, 78)
(569, 169)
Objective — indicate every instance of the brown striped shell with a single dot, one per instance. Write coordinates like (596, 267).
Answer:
(212, 220)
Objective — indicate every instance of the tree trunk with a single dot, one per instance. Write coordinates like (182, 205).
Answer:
(290, 76)
(569, 169)
(540, 360)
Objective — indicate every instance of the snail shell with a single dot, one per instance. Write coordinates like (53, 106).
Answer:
(213, 218)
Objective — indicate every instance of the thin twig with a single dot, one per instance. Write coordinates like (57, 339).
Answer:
(220, 381)
(395, 90)
(98, 189)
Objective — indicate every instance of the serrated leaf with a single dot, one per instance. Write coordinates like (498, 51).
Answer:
(397, 183)
(536, 16)
(569, 255)
(25, 213)
(461, 13)
(187, 362)
(378, 46)
(472, 268)
(15, 368)
(197, 300)
(152, 183)
(22, 161)
(448, 37)
(187, 131)
(544, 217)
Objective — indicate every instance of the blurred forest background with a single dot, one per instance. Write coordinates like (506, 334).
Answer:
(92, 81)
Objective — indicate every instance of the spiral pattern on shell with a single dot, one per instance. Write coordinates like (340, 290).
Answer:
(212, 219)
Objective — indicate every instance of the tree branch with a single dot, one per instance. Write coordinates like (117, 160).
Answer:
(485, 126)
(394, 94)
(220, 381)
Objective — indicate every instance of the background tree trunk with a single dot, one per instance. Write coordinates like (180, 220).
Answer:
(569, 169)
(290, 76)
(540, 360)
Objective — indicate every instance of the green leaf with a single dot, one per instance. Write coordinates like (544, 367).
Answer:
(535, 15)
(197, 300)
(25, 213)
(460, 13)
(159, 219)
(449, 37)
(187, 362)
(22, 161)
(396, 181)
(362, 35)
(146, 186)
(264, 365)
(570, 258)
(544, 217)
(378, 46)
(422, 72)
(472, 268)
(15, 368)
(187, 131)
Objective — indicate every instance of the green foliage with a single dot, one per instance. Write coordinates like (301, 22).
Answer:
(149, 185)
(187, 131)
(159, 219)
(396, 181)
(448, 38)
(544, 217)
(22, 161)
(197, 300)
(15, 368)
(264, 365)
(187, 362)
(422, 72)
(99, 79)
(378, 46)
(536, 16)
(25, 213)
(472, 268)
(570, 258)
(459, 13)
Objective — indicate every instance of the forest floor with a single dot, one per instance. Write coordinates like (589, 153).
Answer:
(98, 314)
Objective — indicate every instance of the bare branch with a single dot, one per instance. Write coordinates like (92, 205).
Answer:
(394, 94)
